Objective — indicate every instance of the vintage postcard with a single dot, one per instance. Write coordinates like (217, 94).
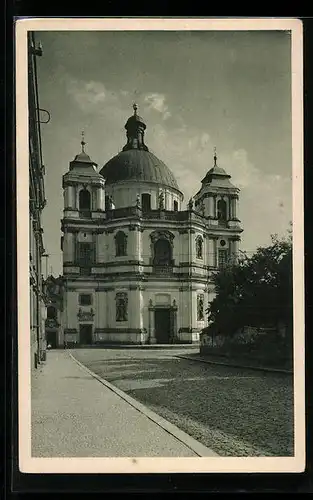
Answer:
(160, 245)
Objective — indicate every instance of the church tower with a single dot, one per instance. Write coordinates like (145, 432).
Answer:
(217, 201)
(83, 203)
(83, 190)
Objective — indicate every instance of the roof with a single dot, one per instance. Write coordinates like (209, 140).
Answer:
(138, 165)
(215, 172)
(82, 157)
(135, 119)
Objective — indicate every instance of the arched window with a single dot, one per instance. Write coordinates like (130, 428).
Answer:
(175, 206)
(120, 244)
(146, 202)
(199, 247)
(222, 210)
(121, 306)
(162, 253)
(51, 312)
(84, 200)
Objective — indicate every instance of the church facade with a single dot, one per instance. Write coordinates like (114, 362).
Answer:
(136, 264)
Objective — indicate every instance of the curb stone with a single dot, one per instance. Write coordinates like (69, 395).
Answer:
(259, 368)
(191, 443)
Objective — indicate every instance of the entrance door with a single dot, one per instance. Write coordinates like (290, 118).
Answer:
(162, 326)
(52, 339)
(85, 334)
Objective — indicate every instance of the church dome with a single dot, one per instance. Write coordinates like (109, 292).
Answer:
(138, 165)
(135, 162)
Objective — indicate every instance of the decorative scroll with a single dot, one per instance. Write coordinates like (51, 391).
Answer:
(85, 315)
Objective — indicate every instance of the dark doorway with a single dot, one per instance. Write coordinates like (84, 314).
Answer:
(85, 334)
(162, 320)
(52, 339)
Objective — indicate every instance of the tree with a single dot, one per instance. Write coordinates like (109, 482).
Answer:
(255, 291)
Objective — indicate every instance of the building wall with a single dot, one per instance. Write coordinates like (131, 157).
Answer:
(181, 288)
(36, 205)
(124, 194)
(139, 326)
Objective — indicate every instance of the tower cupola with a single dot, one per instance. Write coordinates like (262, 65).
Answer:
(135, 131)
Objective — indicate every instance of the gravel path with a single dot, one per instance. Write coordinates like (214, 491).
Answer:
(236, 412)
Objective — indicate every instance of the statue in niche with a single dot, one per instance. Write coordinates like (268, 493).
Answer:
(111, 203)
(121, 306)
(199, 247)
(190, 204)
(138, 201)
(200, 307)
(161, 201)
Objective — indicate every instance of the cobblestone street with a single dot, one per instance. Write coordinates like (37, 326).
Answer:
(235, 412)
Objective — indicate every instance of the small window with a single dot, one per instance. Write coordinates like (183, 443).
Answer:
(86, 254)
(175, 206)
(51, 312)
(85, 299)
(199, 247)
(121, 306)
(121, 244)
(146, 202)
(222, 258)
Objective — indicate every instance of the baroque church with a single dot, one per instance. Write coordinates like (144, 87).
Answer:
(136, 264)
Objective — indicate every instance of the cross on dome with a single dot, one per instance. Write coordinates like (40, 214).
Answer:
(83, 143)
(215, 157)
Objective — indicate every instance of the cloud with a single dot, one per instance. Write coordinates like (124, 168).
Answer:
(265, 199)
(92, 96)
(156, 102)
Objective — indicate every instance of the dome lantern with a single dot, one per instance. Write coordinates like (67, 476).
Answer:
(135, 130)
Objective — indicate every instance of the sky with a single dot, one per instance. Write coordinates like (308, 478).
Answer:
(196, 90)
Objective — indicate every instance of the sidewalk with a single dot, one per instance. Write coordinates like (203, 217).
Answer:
(74, 414)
